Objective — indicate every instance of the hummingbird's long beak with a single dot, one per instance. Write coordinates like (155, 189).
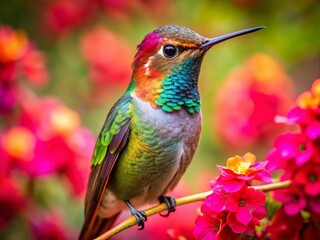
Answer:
(213, 41)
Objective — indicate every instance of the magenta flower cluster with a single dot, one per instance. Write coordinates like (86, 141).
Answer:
(42, 142)
(297, 156)
(234, 207)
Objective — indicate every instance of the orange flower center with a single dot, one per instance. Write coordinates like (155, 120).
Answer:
(310, 99)
(64, 120)
(241, 165)
(12, 45)
(19, 143)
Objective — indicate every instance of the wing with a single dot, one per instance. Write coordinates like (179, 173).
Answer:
(112, 139)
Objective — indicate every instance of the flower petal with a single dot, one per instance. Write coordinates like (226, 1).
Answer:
(243, 215)
(235, 225)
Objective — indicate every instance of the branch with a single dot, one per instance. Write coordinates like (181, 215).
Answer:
(131, 221)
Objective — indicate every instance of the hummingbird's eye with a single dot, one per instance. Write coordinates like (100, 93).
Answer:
(169, 51)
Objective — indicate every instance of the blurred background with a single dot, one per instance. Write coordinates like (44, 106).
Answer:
(64, 63)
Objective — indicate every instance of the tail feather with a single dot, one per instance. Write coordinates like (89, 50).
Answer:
(97, 227)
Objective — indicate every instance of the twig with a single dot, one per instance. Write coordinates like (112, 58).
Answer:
(131, 221)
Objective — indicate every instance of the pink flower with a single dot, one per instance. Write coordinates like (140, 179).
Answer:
(251, 98)
(292, 198)
(76, 171)
(213, 226)
(296, 146)
(8, 98)
(48, 117)
(284, 226)
(13, 45)
(245, 206)
(307, 119)
(49, 157)
(207, 227)
(314, 205)
(50, 140)
(217, 200)
(233, 207)
(307, 112)
(50, 226)
(240, 170)
(100, 48)
(298, 155)
(33, 67)
(310, 99)
(275, 161)
(18, 143)
(19, 58)
(308, 176)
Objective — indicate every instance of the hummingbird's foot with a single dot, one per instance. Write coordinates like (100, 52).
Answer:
(139, 215)
(171, 204)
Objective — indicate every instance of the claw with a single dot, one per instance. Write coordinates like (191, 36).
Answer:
(171, 204)
(139, 215)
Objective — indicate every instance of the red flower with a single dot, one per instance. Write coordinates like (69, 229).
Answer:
(48, 227)
(275, 161)
(33, 67)
(77, 171)
(233, 207)
(310, 99)
(311, 230)
(307, 113)
(308, 176)
(18, 143)
(49, 157)
(240, 170)
(213, 226)
(101, 49)
(284, 226)
(50, 140)
(298, 155)
(292, 198)
(60, 17)
(8, 98)
(11, 200)
(13, 45)
(245, 206)
(314, 205)
(19, 58)
(207, 227)
(296, 146)
(249, 101)
(217, 200)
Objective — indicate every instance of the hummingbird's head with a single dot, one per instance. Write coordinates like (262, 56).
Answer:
(167, 48)
(167, 64)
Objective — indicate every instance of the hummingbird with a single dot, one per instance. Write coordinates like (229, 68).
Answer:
(152, 132)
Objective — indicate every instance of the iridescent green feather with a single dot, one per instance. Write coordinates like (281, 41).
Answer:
(180, 89)
(118, 116)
